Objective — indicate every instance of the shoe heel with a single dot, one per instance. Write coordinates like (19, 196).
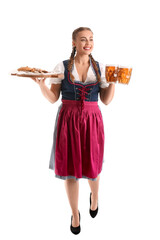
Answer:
(75, 230)
(93, 213)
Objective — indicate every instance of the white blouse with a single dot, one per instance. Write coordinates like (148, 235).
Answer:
(91, 76)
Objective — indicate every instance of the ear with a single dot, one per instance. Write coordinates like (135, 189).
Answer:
(73, 44)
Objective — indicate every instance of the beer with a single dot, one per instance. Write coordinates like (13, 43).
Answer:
(118, 74)
(111, 73)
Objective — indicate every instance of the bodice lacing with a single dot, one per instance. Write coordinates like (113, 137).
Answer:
(83, 93)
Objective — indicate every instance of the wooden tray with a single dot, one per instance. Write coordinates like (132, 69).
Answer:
(38, 75)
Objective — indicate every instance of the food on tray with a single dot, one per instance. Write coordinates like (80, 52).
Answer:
(33, 70)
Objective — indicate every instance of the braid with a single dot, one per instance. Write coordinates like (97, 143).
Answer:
(95, 68)
(70, 64)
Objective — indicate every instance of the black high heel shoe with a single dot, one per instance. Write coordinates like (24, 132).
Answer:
(75, 230)
(93, 213)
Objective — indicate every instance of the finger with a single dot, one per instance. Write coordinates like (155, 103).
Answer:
(34, 79)
(43, 79)
(37, 80)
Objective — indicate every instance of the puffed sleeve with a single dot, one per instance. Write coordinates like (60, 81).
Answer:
(59, 68)
(103, 83)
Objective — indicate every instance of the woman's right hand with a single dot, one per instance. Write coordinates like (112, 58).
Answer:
(40, 81)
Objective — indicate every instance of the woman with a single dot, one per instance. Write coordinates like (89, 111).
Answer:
(78, 143)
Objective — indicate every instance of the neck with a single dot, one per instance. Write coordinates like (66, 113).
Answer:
(82, 59)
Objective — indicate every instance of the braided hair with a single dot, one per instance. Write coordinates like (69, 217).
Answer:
(71, 60)
(95, 68)
(70, 64)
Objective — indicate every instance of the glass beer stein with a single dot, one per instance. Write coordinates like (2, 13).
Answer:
(118, 74)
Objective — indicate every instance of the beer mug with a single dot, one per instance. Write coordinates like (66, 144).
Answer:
(118, 74)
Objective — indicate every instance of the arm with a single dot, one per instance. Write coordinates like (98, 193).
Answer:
(106, 94)
(106, 89)
(51, 94)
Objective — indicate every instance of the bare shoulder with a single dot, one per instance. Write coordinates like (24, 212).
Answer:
(56, 89)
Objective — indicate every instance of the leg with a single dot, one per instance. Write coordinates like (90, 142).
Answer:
(94, 185)
(72, 189)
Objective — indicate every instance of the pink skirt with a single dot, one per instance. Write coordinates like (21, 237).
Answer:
(78, 146)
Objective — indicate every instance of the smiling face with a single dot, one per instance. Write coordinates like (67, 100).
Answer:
(84, 42)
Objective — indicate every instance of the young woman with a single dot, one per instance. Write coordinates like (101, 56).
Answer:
(78, 143)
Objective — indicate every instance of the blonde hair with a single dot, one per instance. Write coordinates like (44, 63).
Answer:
(71, 60)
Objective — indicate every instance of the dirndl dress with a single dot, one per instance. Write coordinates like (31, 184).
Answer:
(78, 139)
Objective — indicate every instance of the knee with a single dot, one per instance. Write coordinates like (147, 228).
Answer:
(71, 180)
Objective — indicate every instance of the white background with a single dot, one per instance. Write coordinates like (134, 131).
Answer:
(33, 203)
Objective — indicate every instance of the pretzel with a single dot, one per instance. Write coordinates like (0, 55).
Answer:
(28, 69)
